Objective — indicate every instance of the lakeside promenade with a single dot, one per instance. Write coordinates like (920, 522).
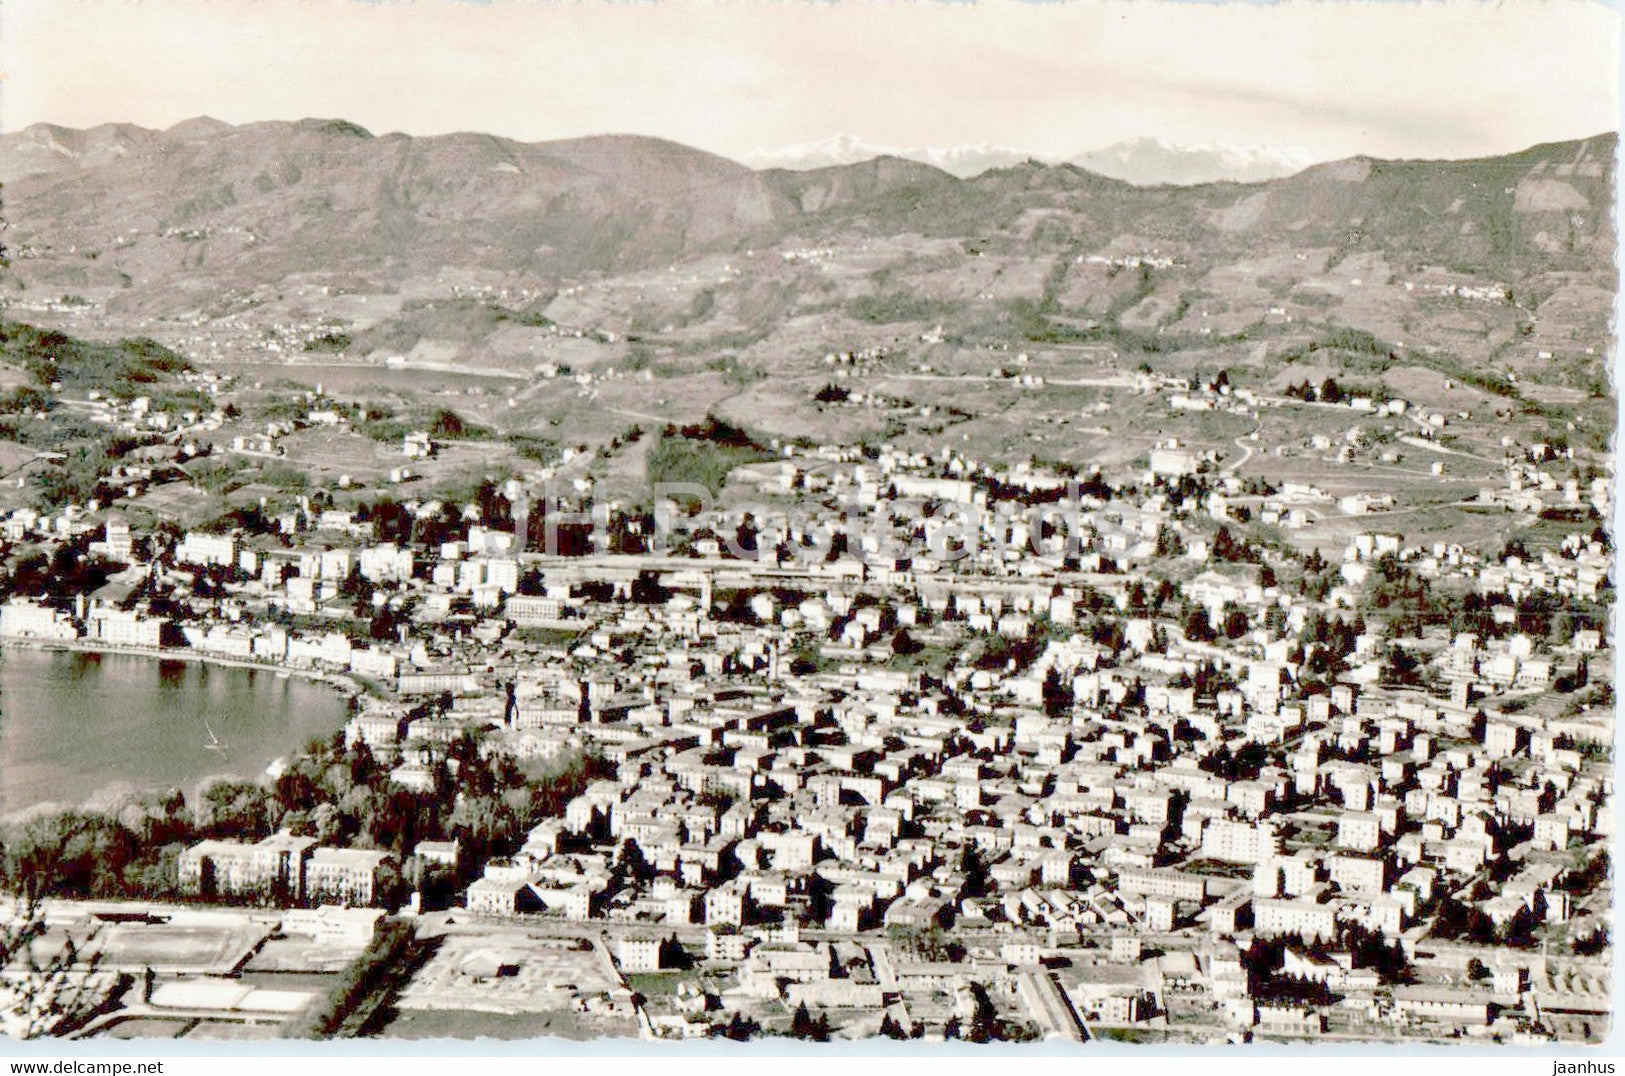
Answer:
(346, 683)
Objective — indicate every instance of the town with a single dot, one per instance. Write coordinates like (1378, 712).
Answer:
(864, 741)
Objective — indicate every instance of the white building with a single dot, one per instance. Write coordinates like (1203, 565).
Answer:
(24, 619)
(207, 550)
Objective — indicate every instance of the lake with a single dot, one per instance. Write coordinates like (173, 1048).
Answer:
(80, 728)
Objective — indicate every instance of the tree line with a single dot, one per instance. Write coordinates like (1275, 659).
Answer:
(341, 795)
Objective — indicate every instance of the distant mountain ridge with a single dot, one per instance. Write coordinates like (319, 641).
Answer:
(1141, 161)
(1148, 161)
(159, 221)
(960, 161)
(330, 193)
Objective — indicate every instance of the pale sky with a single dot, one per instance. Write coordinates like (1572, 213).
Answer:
(1441, 79)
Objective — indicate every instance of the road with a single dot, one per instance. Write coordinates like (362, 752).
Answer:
(144, 1011)
(1114, 381)
(1046, 1001)
(1246, 451)
(1430, 446)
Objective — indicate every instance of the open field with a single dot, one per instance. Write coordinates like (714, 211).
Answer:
(179, 947)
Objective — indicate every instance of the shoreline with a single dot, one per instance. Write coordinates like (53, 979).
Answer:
(342, 682)
(346, 687)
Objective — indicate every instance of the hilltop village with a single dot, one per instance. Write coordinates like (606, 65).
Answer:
(870, 741)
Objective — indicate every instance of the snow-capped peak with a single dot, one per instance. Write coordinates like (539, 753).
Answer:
(1151, 160)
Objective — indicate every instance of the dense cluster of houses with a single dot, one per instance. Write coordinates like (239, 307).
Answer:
(956, 701)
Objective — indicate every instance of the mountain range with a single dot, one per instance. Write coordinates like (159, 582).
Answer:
(329, 194)
(210, 224)
(1141, 161)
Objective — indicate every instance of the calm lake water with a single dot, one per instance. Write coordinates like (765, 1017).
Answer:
(83, 728)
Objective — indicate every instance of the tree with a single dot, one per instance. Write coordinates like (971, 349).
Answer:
(237, 810)
(1236, 623)
(1226, 547)
(75, 853)
(1458, 920)
(741, 1029)
(1595, 943)
(1370, 949)
(630, 864)
(485, 820)
(1400, 667)
(983, 1023)
(1058, 696)
(157, 818)
(973, 865)
(801, 1023)
(383, 626)
(903, 644)
(49, 996)
(390, 954)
